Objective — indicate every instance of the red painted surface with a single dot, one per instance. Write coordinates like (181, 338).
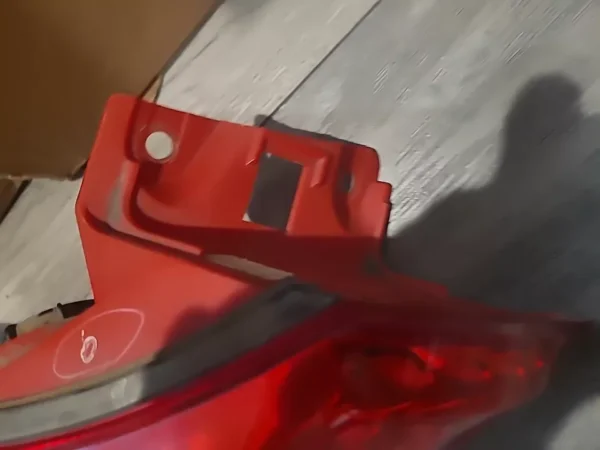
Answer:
(392, 366)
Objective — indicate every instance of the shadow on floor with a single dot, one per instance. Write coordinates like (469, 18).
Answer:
(526, 241)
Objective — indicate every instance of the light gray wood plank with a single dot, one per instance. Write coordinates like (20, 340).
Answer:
(254, 53)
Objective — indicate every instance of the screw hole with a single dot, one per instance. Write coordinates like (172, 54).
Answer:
(159, 145)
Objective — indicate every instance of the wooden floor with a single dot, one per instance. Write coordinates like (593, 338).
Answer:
(485, 115)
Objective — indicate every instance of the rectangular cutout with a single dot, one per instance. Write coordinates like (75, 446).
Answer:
(273, 192)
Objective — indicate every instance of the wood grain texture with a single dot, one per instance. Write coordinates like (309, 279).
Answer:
(253, 54)
(41, 262)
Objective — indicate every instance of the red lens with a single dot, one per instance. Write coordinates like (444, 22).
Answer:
(339, 394)
(353, 376)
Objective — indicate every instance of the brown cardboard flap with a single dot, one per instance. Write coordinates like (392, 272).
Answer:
(64, 58)
(8, 194)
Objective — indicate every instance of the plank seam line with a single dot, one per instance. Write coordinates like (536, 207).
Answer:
(319, 64)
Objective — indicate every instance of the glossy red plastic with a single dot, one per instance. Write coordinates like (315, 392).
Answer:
(394, 363)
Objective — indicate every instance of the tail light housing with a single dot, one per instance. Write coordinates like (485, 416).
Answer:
(203, 336)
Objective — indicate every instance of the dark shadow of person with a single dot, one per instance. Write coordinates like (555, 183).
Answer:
(529, 239)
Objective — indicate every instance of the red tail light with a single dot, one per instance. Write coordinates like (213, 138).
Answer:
(295, 368)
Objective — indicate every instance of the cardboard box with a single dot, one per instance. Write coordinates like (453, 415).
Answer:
(61, 61)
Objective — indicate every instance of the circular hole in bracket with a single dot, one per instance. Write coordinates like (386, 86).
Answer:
(159, 145)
